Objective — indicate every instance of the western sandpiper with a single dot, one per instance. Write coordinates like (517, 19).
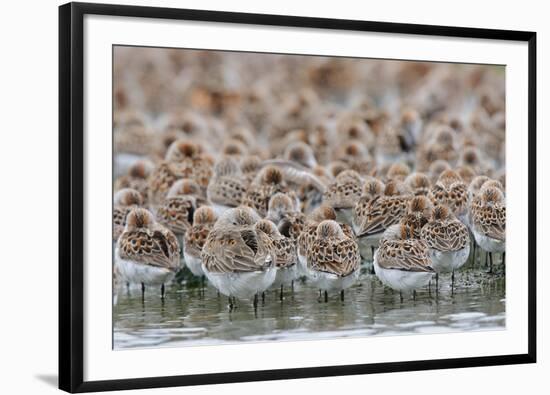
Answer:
(160, 181)
(343, 194)
(236, 258)
(419, 183)
(381, 213)
(195, 237)
(146, 253)
(436, 168)
(226, 189)
(488, 217)
(188, 187)
(309, 233)
(333, 259)
(131, 144)
(451, 191)
(372, 189)
(301, 153)
(392, 145)
(124, 201)
(282, 211)
(398, 172)
(411, 124)
(418, 214)
(250, 165)
(475, 186)
(191, 161)
(448, 240)
(284, 249)
(402, 262)
(269, 181)
(471, 157)
(466, 173)
(176, 213)
(136, 178)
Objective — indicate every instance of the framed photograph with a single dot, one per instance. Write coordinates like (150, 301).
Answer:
(250, 197)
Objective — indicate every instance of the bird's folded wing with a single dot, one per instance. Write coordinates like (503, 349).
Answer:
(382, 214)
(336, 257)
(153, 248)
(234, 251)
(409, 255)
(176, 213)
(226, 191)
(492, 222)
(285, 252)
(451, 236)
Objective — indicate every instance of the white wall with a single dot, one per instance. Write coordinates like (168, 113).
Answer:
(28, 153)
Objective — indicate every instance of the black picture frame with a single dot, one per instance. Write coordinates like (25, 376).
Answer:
(71, 198)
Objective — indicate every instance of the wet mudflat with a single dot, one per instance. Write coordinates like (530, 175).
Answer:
(191, 315)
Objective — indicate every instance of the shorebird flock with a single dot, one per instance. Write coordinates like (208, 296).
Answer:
(255, 171)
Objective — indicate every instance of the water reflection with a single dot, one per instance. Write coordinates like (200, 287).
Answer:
(189, 316)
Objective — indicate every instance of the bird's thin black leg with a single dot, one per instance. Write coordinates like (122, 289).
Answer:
(453, 282)
(373, 251)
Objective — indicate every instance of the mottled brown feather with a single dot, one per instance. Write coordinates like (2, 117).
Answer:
(410, 255)
(339, 257)
(176, 213)
(447, 235)
(154, 247)
(237, 250)
(382, 212)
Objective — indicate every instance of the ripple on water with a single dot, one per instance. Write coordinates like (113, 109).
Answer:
(414, 324)
(466, 316)
(432, 329)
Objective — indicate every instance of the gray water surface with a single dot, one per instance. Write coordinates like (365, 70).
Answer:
(190, 317)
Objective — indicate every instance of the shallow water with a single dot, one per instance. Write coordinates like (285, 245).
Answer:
(190, 317)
